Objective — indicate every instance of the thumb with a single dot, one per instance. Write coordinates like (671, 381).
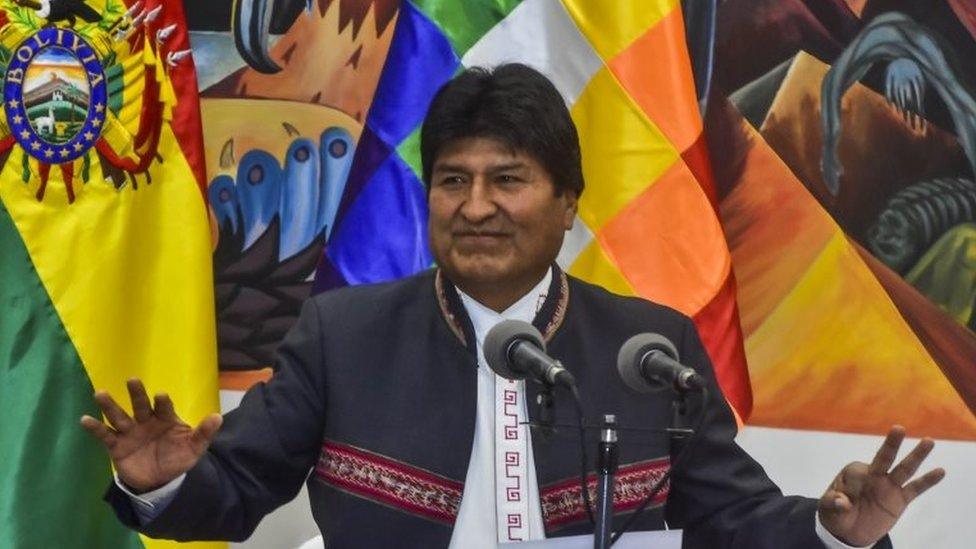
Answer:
(204, 433)
(835, 501)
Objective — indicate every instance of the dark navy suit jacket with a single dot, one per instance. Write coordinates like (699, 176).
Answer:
(374, 393)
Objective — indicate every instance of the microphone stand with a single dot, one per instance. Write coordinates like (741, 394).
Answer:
(606, 468)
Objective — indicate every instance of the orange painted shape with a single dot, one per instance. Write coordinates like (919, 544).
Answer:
(656, 72)
(243, 380)
(668, 243)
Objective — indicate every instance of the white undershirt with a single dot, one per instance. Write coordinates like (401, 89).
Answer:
(477, 521)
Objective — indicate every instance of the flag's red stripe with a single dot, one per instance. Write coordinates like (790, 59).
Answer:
(720, 331)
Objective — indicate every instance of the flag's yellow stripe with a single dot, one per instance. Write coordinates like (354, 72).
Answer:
(130, 275)
(612, 25)
(623, 152)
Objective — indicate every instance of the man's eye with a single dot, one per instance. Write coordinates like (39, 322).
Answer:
(452, 180)
(505, 178)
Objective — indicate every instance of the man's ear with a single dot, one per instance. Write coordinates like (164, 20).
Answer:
(572, 205)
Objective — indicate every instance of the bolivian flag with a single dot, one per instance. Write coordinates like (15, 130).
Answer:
(105, 269)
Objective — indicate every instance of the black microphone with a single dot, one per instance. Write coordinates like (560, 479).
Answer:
(649, 363)
(516, 350)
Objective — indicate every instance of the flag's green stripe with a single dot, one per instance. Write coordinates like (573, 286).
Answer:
(52, 474)
(465, 22)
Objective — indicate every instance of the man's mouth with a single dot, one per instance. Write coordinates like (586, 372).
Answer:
(480, 241)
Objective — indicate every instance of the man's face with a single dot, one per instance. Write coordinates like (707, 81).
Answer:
(495, 218)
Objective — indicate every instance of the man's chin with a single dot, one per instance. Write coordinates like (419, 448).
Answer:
(477, 271)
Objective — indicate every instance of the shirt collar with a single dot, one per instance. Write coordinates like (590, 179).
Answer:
(483, 318)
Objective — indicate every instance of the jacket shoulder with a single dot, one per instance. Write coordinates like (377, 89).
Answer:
(607, 304)
(377, 297)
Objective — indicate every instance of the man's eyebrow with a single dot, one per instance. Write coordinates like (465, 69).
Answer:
(518, 165)
(451, 168)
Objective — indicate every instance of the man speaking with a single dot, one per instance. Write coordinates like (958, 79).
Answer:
(383, 403)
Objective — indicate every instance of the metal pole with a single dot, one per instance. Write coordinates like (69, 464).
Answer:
(606, 467)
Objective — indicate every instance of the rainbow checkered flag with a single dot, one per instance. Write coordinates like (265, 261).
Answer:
(647, 223)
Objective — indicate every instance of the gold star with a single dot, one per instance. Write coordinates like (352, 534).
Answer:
(96, 122)
(13, 103)
(24, 134)
(77, 146)
(99, 107)
(48, 153)
(18, 119)
(64, 153)
(35, 146)
(89, 135)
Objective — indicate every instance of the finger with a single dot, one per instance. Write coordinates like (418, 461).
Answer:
(853, 477)
(141, 409)
(888, 452)
(834, 501)
(99, 430)
(205, 431)
(904, 470)
(918, 486)
(114, 413)
(164, 408)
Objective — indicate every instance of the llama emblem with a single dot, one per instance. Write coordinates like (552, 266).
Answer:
(55, 95)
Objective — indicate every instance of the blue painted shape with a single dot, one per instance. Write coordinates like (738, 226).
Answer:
(299, 205)
(223, 199)
(383, 235)
(258, 192)
(336, 151)
(419, 61)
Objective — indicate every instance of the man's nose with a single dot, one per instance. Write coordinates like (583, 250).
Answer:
(480, 203)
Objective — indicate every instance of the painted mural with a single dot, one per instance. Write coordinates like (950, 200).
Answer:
(842, 136)
(284, 88)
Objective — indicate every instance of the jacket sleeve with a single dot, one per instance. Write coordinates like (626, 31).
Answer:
(719, 494)
(261, 455)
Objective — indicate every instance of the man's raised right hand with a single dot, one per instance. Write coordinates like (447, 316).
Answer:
(153, 446)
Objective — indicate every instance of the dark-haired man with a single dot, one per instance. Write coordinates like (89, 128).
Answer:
(383, 393)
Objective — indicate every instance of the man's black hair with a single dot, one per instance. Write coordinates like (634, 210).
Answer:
(513, 104)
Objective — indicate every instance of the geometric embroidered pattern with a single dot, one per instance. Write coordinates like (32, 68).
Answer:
(562, 502)
(389, 482)
(558, 315)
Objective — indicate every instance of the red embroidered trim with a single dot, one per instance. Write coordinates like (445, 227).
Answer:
(562, 502)
(557, 317)
(452, 322)
(560, 313)
(390, 482)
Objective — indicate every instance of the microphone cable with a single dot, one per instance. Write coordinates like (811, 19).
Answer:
(659, 485)
(587, 504)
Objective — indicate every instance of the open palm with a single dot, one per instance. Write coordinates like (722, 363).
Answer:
(153, 446)
(864, 501)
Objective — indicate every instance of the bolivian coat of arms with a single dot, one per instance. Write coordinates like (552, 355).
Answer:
(85, 84)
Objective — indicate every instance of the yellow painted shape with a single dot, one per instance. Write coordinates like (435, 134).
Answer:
(612, 25)
(623, 152)
(129, 273)
(836, 355)
(593, 266)
(231, 122)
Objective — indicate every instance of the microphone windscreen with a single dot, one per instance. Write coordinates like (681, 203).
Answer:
(500, 339)
(633, 351)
